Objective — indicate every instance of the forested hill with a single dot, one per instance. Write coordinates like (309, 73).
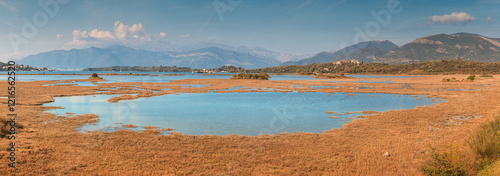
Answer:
(142, 69)
(456, 66)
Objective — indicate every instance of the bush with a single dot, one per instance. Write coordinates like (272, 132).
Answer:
(449, 160)
(261, 76)
(471, 77)
(483, 149)
(95, 76)
(486, 142)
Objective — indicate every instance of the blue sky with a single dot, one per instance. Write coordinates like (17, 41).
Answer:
(291, 26)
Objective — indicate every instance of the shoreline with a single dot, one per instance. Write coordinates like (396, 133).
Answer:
(353, 147)
(361, 114)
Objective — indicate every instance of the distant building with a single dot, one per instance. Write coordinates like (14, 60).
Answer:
(354, 61)
(207, 71)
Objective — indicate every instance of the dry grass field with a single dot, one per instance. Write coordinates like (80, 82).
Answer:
(386, 143)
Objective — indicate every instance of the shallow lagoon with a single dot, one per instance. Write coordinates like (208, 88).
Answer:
(115, 78)
(234, 113)
(35, 76)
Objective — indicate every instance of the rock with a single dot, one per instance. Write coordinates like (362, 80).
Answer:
(386, 154)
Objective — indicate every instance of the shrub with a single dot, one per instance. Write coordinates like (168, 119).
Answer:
(486, 142)
(261, 76)
(482, 150)
(471, 77)
(95, 76)
(449, 160)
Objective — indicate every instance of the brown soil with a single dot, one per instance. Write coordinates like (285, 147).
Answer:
(51, 145)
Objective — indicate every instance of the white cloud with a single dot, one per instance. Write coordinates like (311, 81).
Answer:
(134, 36)
(489, 19)
(59, 35)
(122, 34)
(101, 34)
(453, 18)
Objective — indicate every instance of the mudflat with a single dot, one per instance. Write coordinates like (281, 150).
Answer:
(386, 143)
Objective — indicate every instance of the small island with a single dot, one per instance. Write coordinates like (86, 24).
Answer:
(261, 76)
(95, 76)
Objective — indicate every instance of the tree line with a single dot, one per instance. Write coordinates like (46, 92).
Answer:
(456, 66)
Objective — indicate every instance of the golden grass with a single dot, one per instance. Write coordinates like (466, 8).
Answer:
(150, 127)
(369, 112)
(51, 145)
(166, 129)
(129, 126)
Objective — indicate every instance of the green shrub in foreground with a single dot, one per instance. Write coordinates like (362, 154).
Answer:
(486, 142)
(482, 150)
(449, 160)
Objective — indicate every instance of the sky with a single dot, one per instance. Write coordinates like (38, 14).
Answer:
(289, 26)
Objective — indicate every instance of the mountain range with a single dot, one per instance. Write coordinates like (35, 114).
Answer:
(116, 55)
(466, 46)
(442, 46)
(360, 51)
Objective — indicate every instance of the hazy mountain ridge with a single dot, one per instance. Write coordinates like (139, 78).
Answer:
(281, 57)
(256, 51)
(199, 55)
(116, 55)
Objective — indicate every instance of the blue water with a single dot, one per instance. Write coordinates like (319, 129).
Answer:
(381, 76)
(113, 78)
(234, 113)
(291, 77)
(234, 88)
(73, 83)
(35, 76)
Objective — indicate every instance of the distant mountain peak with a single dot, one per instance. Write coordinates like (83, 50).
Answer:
(463, 45)
(356, 52)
